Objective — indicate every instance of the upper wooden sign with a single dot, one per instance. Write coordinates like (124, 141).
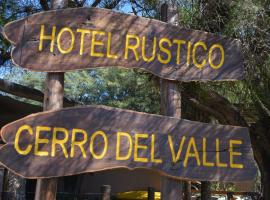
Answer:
(81, 38)
(88, 139)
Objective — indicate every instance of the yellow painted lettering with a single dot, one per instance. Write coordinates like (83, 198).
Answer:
(80, 143)
(137, 146)
(205, 162)
(17, 139)
(195, 153)
(218, 162)
(188, 53)
(92, 146)
(72, 39)
(132, 47)
(149, 59)
(196, 45)
(109, 54)
(235, 153)
(95, 43)
(46, 37)
(83, 32)
(178, 55)
(176, 157)
(118, 144)
(164, 50)
(39, 140)
(60, 142)
(210, 58)
(153, 159)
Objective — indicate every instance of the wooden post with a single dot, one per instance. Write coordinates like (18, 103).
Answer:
(2, 180)
(5, 184)
(170, 106)
(46, 189)
(151, 193)
(230, 196)
(106, 192)
(205, 190)
(187, 190)
(206, 185)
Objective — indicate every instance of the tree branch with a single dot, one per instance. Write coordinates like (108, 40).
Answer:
(218, 106)
(133, 8)
(95, 3)
(28, 93)
(44, 4)
(4, 56)
(113, 4)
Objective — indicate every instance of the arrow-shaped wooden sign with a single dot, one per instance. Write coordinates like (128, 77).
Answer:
(81, 38)
(94, 138)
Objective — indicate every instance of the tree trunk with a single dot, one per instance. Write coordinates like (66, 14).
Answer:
(226, 113)
(260, 135)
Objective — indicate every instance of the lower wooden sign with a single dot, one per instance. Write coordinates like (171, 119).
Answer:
(94, 138)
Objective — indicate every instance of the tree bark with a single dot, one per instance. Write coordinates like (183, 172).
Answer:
(260, 134)
(187, 190)
(151, 193)
(106, 192)
(46, 189)
(226, 113)
(170, 106)
(2, 180)
(205, 190)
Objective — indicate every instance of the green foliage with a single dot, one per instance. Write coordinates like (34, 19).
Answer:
(117, 87)
(248, 21)
(121, 88)
(217, 186)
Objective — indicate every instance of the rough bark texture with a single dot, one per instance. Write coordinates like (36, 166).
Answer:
(46, 189)
(170, 106)
(219, 107)
(151, 193)
(106, 192)
(171, 189)
(260, 135)
(187, 190)
(205, 190)
(53, 100)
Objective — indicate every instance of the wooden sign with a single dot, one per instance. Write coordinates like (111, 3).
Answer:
(94, 138)
(81, 38)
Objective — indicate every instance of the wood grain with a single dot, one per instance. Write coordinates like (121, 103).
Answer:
(113, 120)
(25, 35)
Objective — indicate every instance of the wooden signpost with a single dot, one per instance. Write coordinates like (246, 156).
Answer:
(56, 41)
(87, 139)
(46, 189)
